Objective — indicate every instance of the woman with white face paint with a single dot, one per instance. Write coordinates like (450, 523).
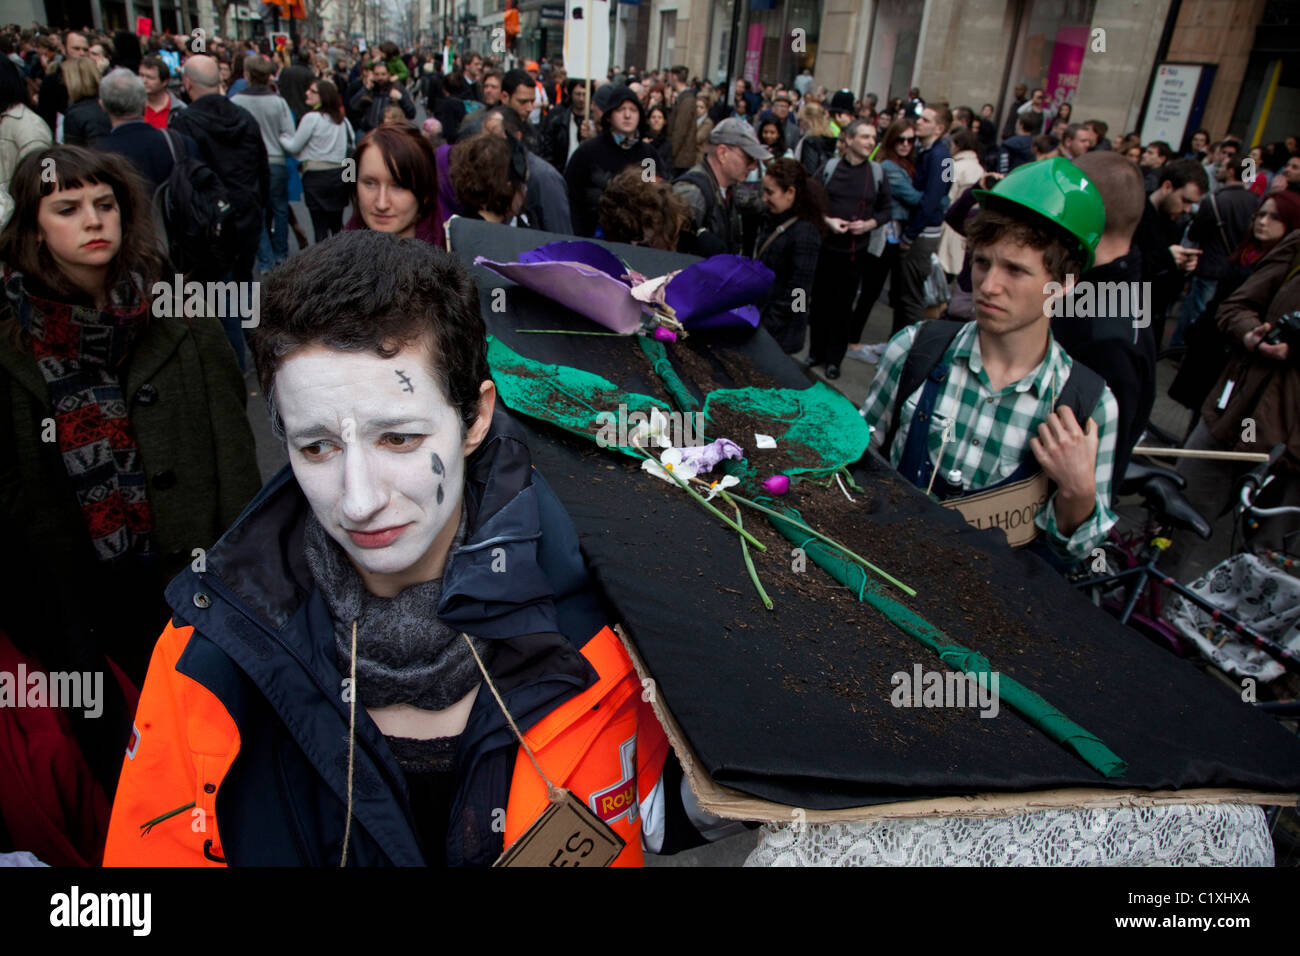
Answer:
(397, 605)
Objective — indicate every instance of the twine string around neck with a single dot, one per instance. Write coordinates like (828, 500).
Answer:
(553, 793)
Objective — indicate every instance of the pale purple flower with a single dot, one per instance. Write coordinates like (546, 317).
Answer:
(706, 457)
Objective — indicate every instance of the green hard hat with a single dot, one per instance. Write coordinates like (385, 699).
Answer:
(1059, 191)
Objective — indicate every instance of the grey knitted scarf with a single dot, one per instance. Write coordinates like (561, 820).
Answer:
(405, 655)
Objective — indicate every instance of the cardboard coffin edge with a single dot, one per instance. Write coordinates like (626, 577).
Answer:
(733, 805)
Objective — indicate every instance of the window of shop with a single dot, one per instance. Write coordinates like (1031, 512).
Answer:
(1049, 54)
(894, 38)
(778, 38)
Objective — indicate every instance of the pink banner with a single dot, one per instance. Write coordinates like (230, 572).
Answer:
(753, 53)
(1063, 71)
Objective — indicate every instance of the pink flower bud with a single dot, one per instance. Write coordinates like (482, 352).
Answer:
(665, 335)
(777, 484)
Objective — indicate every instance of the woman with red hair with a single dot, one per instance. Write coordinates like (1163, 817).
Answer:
(397, 185)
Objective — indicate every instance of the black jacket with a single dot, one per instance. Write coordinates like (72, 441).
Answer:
(554, 139)
(792, 257)
(1123, 355)
(1236, 207)
(146, 148)
(372, 112)
(85, 123)
(589, 171)
(1155, 234)
(715, 222)
(814, 151)
(230, 141)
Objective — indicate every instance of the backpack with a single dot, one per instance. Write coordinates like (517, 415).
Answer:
(1081, 391)
(877, 171)
(197, 217)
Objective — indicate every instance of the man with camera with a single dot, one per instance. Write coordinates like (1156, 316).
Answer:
(375, 96)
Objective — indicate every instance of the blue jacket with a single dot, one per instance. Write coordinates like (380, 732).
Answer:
(263, 645)
(904, 197)
(928, 216)
(1016, 151)
(146, 148)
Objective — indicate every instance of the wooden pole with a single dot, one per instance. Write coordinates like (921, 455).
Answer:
(1201, 453)
(586, 110)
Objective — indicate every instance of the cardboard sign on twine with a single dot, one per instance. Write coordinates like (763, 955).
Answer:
(1012, 508)
(566, 834)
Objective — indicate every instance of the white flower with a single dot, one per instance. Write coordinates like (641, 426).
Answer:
(670, 460)
(655, 433)
(727, 481)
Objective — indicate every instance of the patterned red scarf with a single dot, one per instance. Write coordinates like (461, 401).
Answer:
(81, 352)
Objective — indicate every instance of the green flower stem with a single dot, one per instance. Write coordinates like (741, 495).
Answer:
(700, 498)
(749, 562)
(832, 542)
(727, 521)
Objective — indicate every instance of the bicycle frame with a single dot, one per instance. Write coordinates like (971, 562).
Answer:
(1147, 571)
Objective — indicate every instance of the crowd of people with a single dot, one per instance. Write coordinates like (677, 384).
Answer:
(960, 214)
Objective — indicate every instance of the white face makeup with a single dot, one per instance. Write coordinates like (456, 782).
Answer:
(380, 454)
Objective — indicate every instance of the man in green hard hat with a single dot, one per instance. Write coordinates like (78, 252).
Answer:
(992, 417)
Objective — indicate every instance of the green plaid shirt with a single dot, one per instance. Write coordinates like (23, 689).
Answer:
(991, 430)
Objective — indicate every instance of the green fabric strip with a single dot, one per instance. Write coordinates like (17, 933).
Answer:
(654, 350)
(1024, 701)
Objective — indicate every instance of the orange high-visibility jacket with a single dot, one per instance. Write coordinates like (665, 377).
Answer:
(240, 749)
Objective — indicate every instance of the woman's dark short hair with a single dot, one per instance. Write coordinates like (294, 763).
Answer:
(643, 213)
(480, 174)
(13, 88)
(410, 161)
(963, 139)
(366, 291)
(331, 104)
(809, 197)
(155, 62)
(141, 250)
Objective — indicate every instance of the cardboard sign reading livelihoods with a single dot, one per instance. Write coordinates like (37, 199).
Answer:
(1012, 508)
(566, 834)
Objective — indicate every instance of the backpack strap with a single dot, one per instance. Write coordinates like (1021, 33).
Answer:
(828, 169)
(171, 146)
(928, 348)
(1081, 392)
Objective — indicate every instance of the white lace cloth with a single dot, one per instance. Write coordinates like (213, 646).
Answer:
(1177, 835)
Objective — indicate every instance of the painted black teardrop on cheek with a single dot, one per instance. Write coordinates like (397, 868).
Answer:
(438, 468)
(439, 492)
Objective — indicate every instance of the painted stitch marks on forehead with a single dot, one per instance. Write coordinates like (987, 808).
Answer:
(407, 385)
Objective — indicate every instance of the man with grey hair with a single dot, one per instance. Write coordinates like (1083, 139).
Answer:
(122, 95)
